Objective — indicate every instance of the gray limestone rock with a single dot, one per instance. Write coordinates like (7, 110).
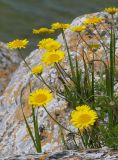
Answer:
(9, 61)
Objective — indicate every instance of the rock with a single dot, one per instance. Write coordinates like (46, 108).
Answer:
(13, 132)
(14, 136)
(69, 155)
(9, 60)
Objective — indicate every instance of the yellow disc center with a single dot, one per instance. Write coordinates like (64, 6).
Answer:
(40, 98)
(84, 118)
(53, 57)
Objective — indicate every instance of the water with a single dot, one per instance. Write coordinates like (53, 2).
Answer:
(18, 17)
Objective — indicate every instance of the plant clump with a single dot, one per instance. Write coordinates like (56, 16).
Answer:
(88, 86)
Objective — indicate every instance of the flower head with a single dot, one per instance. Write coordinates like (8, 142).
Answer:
(42, 30)
(40, 97)
(52, 57)
(49, 58)
(18, 43)
(83, 117)
(111, 10)
(93, 20)
(37, 69)
(78, 28)
(49, 44)
(58, 25)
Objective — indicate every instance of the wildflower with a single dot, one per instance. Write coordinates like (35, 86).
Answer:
(49, 44)
(78, 28)
(58, 25)
(111, 10)
(83, 117)
(53, 57)
(18, 43)
(42, 30)
(40, 97)
(37, 69)
(93, 20)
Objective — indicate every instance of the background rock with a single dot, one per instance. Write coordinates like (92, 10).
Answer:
(9, 60)
(14, 136)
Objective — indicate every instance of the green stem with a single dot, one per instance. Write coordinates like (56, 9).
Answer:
(69, 56)
(58, 122)
(86, 76)
(93, 80)
(85, 42)
(108, 88)
(41, 78)
(28, 127)
(112, 67)
(36, 130)
(61, 72)
(102, 43)
(62, 137)
(65, 73)
(24, 59)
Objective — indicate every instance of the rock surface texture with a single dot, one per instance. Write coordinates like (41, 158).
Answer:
(14, 138)
(9, 61)
(103, 154)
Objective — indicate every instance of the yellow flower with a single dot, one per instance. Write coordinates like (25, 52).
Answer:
(93, 20)
(40, 97)
(58, 25)
(49, 44)
(78, 28)
(18, 43)
(42, 30)
(53, 57)
(83, 117)
(37, 69)
(111, 10)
